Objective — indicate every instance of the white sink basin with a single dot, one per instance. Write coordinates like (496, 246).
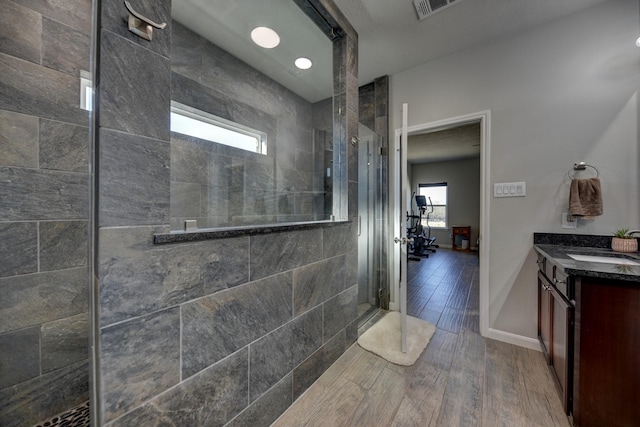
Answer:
(606, 259)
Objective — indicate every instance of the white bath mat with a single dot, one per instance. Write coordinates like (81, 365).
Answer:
(384, 338)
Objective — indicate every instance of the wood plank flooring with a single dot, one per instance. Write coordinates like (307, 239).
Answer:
(461, 379)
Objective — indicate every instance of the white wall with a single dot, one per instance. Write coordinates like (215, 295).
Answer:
(562, 93)
(463, 184)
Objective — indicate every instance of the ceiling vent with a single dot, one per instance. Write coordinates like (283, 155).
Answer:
(427, 8)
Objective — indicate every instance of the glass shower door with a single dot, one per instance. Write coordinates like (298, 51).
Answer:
(369, 214)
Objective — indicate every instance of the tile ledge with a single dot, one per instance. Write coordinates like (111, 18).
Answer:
(222, 233)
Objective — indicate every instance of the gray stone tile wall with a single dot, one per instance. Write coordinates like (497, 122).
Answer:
(134, 174)
(340, 311)
(295, 249)
(34, 299)
(19, 354)
(138, 278)
(19, 247)
(63, 244)
(142, 287)
(266, 409)
(64, 341)
(340, 240)
(310, 370)
(208, 399)
(205, 333)
(53, 195)
(44, 212)
(215, 326)
(146, 110)
(15, 41)
(317, 282)
(278, 353)
(44, 395)
(74, 14)
(113, 14)
(140, 359)
(219, 319)
(18, 139)
(32, 89)
(367, 108)
(63, 146)
(64, 48)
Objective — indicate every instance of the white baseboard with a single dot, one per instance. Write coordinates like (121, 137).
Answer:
(514, 339)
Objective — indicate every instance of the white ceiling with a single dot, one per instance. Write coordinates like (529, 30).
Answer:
(392, 38)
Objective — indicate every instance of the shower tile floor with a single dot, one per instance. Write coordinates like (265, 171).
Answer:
(75, 417)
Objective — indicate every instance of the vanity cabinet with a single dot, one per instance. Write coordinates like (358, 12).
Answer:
(607, 353)
(556, 329)
(589, 332)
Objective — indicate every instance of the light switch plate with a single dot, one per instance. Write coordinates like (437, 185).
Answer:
(510, 189)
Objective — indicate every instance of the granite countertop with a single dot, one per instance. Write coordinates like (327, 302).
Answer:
(559, 255)
(556, 247)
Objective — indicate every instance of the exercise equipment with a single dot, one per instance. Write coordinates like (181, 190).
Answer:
(429, 241)
(421, 242)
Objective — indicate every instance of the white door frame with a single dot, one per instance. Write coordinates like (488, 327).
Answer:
(484, 117)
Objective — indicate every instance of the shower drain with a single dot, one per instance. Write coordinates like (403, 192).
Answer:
(76, 417)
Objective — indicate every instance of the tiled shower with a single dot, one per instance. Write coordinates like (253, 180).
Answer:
(217, 331)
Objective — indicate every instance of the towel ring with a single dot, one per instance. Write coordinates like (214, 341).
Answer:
(582, 166)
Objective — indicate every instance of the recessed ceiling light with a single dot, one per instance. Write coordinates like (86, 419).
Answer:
(265, 37)
(303, 63)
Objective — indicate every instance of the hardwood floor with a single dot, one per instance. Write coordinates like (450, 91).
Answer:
(461, 379)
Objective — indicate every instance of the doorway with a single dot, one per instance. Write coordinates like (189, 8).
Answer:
(444, 168)
(398, 212)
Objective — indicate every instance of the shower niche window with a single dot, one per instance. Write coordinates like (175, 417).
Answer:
(283, 172)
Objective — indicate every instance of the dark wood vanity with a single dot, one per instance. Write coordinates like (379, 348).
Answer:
(589, 331)
(606, 372)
